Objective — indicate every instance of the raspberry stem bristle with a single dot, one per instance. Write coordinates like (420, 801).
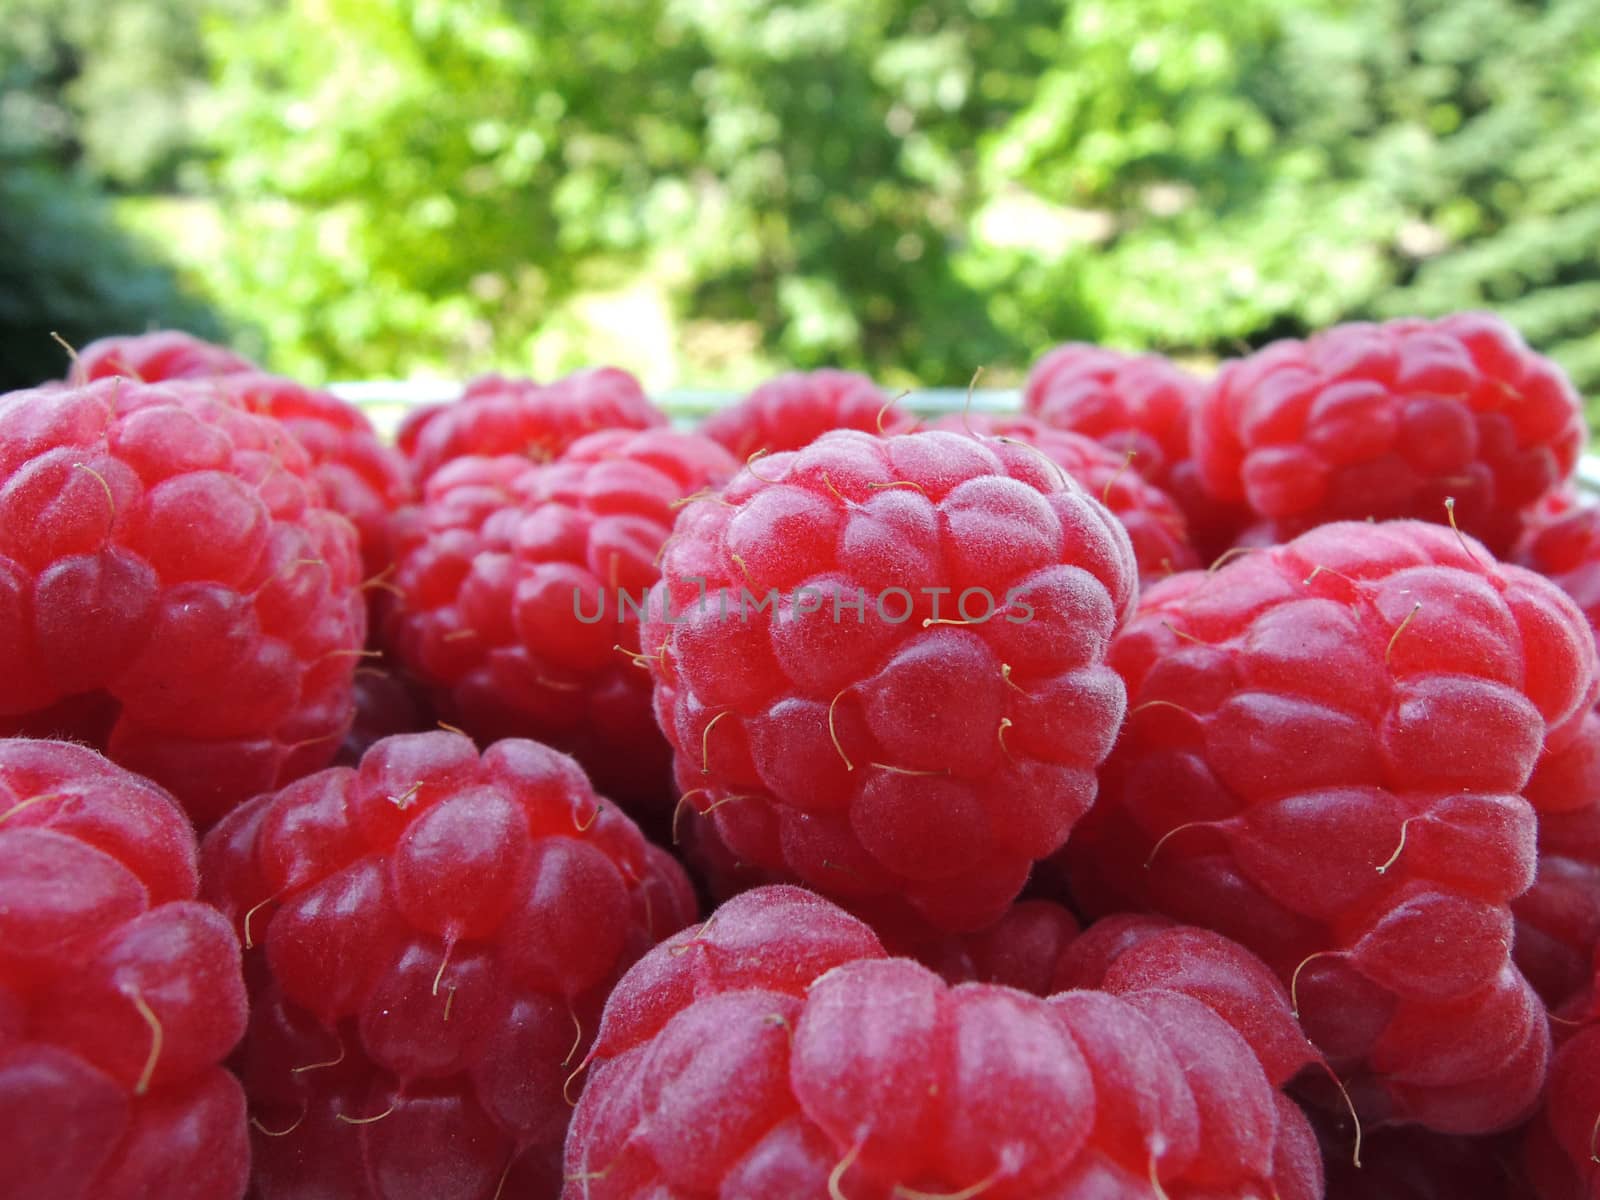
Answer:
(1127, 461)
(16, 808)
(834, 733)
(577, 1034)
(278, 1133)
(318, 1066)
(836, 1176)
(1169, 835)
(1294, 980)
(366, 1120)
(705, 747)
(104, 486)
(1399, 629)
(157, 1037)
(970, 1192)
(1393, 858)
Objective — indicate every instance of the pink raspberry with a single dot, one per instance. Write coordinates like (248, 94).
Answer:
(777, 1051)
(430, 938)
(1154, 522)
(173, 588)
(167, 354)
(1323, 760)
(496, 415)
(880, 664)
(511, 583)
(1389, 421)
(1138, 403)
(120, 994)
(798, 407)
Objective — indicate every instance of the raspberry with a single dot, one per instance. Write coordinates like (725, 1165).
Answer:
(776, 1051)
(1022, 950)
(1558, 918)
(512, 575)
(1391, 420)
(798, 407)
(120, 994)
(387, 702)
(1323, 760)
(496, 415)
(156, 357)
(360, 476)
(430, 939)
(838, 728)
(1564, 545)
(1139, 404)
(172, 588)
(1155, 524)
(1563, 1145)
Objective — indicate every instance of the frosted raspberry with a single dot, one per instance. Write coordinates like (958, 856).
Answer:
(430, 938)
(156, 357)
(1323, 760)
(1155, 524)
(511, 581)
(172, 588)
(776, 1051)
(838, 729)
(798, 407)
(1388, 421)
(1140, 403)
(496, 415)
(120, 994)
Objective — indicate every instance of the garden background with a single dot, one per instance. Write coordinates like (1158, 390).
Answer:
(706, 191)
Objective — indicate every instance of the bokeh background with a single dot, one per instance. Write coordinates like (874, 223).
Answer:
(705, 191)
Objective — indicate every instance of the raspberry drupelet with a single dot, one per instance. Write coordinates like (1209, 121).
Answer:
(517, 594)
(798, 407)
(880, 662)
(500, 415)
(1390, 420)
(120, 994)
(1155, 524)
(173, 588)
(429, 939)
(1561, 1149)
(1324, 759)
(777, 1051)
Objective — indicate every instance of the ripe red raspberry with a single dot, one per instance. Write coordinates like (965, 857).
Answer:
(360, 476)
(798, 407)
(1323, 760)
(1140, 403)
(776, 1051)
(496, 415)
(511, 580)
(430, 939)
(172, 588)
(1022, 950)
(890, 684)
(1558, 918)
(1154, 522)
(1562, 1150)
(155, 358)
(1389, 421)
(1563, 544)
(120, 994)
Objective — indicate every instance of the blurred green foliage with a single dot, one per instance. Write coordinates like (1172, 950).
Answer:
(91, 96)
(705, 189)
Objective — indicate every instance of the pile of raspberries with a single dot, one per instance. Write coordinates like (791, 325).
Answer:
(1178, 789)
